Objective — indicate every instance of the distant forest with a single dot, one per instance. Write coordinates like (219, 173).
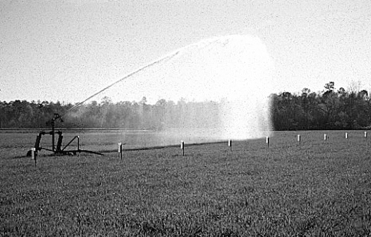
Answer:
(329, 109)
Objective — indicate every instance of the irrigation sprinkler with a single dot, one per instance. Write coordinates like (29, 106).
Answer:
(267, 141)
(230, 144)
(56, 147)
(182, 147)
(119, 149)
(34, 154)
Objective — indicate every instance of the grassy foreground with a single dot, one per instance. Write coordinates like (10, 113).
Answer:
(289, 189)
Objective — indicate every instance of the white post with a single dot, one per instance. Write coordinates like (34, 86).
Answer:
(267, 140)
(325, 137)
(119, 149)
(78, 144)
(299, 138)
(346, 135)
(230, 144)
(365, 134)
(33, 154)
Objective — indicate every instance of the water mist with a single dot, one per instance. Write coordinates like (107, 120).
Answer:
(218, 89)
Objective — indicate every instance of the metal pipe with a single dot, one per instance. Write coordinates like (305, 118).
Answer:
(78, 141)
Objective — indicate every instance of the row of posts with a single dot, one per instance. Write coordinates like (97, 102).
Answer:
(326, 137)
(182, 146)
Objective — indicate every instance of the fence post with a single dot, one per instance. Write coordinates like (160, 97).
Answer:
(119, 149)
(230, 144)
(34, 154)
(182, 147)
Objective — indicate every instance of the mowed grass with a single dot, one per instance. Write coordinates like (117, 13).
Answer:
(289, 189)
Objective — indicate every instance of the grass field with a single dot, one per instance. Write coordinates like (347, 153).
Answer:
(289, 189)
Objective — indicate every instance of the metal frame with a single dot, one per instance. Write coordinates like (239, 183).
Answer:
(58, 150)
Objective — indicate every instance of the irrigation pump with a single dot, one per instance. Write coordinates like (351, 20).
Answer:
(57, 148)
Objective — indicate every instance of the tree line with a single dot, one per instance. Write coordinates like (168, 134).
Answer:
(329, 109)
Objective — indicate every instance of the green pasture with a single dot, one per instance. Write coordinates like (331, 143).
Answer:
(311, 188)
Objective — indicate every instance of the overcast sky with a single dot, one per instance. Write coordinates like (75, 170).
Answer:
(68, 50)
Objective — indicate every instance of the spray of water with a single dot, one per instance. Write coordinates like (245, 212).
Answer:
(222, 86)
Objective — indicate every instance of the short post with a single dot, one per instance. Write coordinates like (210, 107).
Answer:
(346, 135)
(119, 149)
(78, 143)
(267, 141)
(325, 137)
(299, 138)
(230, 144)
(182, 147)
(34, 154)
(365, 134)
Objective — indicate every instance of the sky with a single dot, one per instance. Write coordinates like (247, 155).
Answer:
(67, 50)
